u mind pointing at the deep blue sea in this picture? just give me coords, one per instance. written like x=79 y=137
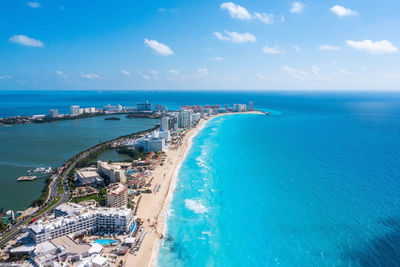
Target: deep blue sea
x=316 y=183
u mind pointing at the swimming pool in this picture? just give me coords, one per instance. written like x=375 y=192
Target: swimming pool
x=106 y=242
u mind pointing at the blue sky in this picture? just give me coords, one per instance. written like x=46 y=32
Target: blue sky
x=186 y=45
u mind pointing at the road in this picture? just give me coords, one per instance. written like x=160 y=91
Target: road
x=53 y=194
x=53 y=191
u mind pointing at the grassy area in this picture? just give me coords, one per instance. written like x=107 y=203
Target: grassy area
x=60 y=187
x=94 y=197
x=52 y=204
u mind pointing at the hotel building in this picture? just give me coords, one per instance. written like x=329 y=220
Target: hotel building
x=117 y=195
x=84 y=221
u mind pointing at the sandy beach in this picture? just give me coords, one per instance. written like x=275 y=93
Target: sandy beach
x=153 y=208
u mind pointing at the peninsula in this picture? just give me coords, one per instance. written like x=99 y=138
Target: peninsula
x=138 y=190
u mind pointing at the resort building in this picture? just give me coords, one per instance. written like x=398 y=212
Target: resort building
x=185 y=118
x=150 y=144
x=196 y=117
x=251 y=105
x=143 y=106
x=110 y=108
x=239 y=107
x=84 y=221
x=117 y=195
x=87 y=176
x=74 y=110
x=53 y=113
x=112 y=171
x=169 y=123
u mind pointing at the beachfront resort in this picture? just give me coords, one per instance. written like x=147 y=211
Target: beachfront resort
x=115 y=212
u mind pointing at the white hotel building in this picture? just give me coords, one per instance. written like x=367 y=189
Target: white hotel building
x=80 y=220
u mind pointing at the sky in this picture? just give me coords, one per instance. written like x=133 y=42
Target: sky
x=200 y=45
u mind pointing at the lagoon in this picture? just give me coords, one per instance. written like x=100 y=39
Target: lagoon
x=25 y=147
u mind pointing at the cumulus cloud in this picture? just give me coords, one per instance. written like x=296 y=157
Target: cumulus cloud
x=125 y=72
x=329 y=48
x=376 y=48
x=341 y=11
x=238 y=12
x=264 y=17
x=271 y=50
x=159 y=48
x=236 y=37
x=25 y=40
x=34 y=4
x=299 y=74
x=90 y=76
x=297 y=7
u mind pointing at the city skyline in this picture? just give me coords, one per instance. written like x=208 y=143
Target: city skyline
x=239 y=45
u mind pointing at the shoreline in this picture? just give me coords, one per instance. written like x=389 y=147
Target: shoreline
x=155 y=220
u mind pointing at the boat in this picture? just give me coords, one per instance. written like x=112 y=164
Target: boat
x=27 y=178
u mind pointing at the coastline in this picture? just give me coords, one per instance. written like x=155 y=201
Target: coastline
x=153 y=209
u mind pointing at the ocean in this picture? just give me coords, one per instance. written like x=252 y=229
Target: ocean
x=316 y=183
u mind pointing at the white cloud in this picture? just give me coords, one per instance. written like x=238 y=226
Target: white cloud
x=297 y=7
x=264 y=17
x=316 y=71
x=239 y=12
x=153 y=72
x=34 y=4
x=376 y=48
x=296 y=48
x=202 y=71
x=25 y=40
x=90 y=76
x=5 y=77
x=146 y=77
x=125 y=72
x=218 y=58
x=329 y=48
x=271 y=50
x=236 y=11
x=235 y=37
x=159 y=48
x=174 y=72
x=342 y=11
x=59 y=72
x=299 y=74
x=344 y=72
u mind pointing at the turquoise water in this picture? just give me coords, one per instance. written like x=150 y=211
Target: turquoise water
x=26 y=147
x=315 y=187
x=106 y=242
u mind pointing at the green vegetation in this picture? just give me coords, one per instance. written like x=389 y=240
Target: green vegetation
x=60 y=189
x=70 y=179
x=132 y=153
x=52 y=203
x=45 y=192
x=91 y=159
x=99 y=198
